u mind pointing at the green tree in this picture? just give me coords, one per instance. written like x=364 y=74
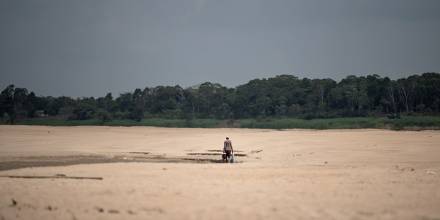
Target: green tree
x=8 y=106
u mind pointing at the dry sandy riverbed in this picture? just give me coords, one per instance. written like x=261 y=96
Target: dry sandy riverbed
x=171 y=173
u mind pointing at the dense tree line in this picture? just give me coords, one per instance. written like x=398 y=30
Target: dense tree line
x=280 y=96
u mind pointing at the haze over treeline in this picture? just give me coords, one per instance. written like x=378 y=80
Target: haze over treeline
x=279 y=96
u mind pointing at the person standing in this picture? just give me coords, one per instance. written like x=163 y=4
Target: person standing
x=227 y=148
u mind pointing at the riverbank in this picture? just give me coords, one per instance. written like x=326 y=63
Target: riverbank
x=403 y=123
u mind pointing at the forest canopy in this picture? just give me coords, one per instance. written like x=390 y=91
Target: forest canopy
x=279 y=96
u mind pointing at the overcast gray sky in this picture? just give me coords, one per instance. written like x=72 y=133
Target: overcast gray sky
x=90 y=47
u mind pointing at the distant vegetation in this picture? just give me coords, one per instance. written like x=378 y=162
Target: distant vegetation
x=284 y=101
x=403 y=123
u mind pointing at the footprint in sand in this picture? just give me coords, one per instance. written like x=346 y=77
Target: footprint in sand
x=113 y=211
x=130 y=212
x=99 y=209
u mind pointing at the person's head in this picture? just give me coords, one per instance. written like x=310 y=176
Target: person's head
x=227 y=138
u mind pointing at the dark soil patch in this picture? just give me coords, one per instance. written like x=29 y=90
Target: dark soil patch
x=46 y=161
x=54 y=177
x=215 y=154
x=222 y=151
x=11 y=163
x=139 y=152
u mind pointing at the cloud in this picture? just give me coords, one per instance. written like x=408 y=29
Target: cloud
x=199 y=5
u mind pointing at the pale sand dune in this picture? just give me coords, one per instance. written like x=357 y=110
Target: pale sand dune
x=299 y=174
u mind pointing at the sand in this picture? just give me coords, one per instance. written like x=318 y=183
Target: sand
x=174 y=173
